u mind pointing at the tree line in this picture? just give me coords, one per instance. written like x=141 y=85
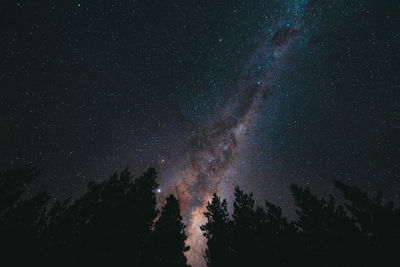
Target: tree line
x=365 y=231
x=116 y=223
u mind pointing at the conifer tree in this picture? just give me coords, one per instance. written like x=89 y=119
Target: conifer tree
x=21 y=219
x=169 y=236
x=244 y=234
x=329 y=235
x=216 y=230
x=379 y=222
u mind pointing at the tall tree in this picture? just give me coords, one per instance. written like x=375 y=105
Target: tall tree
x=13 y=185
x=276 y=240
x=110 y=225
x=217 y=231
x=329 y=235
x=21 y=219
x=244 y=224
x=379 y=222
x=261 y=237
x=169 y=236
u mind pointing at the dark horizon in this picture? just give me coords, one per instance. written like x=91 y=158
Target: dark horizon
x=121 y=222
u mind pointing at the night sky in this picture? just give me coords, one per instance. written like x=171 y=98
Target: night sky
x=214 y=94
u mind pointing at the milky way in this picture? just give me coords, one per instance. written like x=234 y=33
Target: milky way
x=213 y=94
x=215 y=149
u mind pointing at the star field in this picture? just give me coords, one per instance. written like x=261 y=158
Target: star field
x=260 y=94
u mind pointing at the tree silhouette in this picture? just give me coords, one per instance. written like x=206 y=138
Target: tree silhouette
x=329 y=236
x=110 y=225
x=217 y=231
x=244 y=225
x=379 y=223
x=21 y=220
x=20 y=231
x=114 y=224
x=169 y=236
x=13 y=184
x=277 y=239
x=261 y=237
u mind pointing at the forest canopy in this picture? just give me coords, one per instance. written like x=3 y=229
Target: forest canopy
x=116 y=223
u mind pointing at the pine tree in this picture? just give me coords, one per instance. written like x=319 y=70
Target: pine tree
x=216 y=230
x=244 y=225
x=276 y=239
x=21 y=219
x=13 y=185
x=110 y=225
x=329 y=236
x=379 y=223
x=169 y=236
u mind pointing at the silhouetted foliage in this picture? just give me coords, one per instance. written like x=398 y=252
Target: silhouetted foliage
x=277 y=238
x=253 y=237
x=110 y=225
x=329 y=237
x=362 y=232
x=21 y=220
x=115 y=224
x=244 y=226
x=216 y=230
x=13 y=185
x=379 y=223
x=169 y=236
